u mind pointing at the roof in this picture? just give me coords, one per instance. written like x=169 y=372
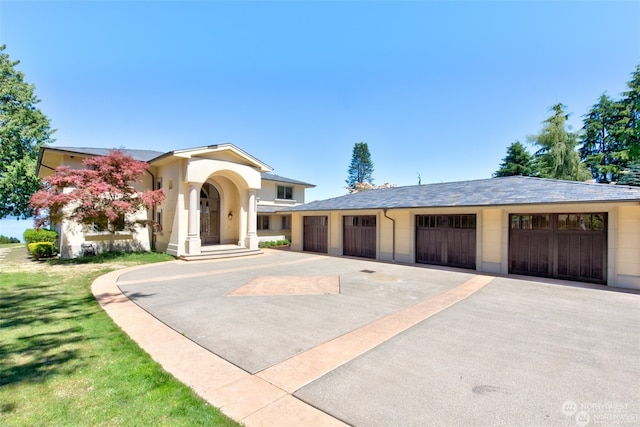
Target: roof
x=277 y=178
x=512 y=190
x=140 y=155
x=269 y=209
x=199 y=151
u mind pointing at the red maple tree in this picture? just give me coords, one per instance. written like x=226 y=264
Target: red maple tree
x=100 y=195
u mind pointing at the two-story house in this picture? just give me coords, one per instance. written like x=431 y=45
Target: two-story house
x=215 y=195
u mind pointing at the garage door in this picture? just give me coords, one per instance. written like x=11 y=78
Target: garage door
x=315 y=235
x=359 y=237
x=446 y=240
x=564 y=246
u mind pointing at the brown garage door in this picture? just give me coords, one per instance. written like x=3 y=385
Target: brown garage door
x=446 y=240
x=316 y=234
x=359 y=237
x=564 y=246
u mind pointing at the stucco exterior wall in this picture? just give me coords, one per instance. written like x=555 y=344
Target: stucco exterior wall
x=628 y=247
x=492 y=227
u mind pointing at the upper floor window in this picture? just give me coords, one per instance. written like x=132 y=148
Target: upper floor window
x=284 y=192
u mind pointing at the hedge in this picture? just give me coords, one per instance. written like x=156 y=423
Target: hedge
x=32 y=235
x=42 y=249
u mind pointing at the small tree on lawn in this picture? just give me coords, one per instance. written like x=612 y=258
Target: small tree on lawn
x=101 y=194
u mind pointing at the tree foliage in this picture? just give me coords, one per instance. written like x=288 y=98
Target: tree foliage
x=517 y=162
x=602 y=149
x=23 y=130
x=557 y=157
x=102 y=194
x=630 y=116
x=630 y=175
x=361 y=167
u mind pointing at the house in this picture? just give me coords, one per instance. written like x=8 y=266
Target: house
x=512 y=225
x=220 y=195
x=215 y=195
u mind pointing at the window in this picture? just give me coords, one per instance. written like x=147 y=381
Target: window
x=530 y=222
x=284 y=192
x=446 y=221
x=263 y=222
x=286 y=222
x=158 y=183
x=581 y=222
x=102 y=225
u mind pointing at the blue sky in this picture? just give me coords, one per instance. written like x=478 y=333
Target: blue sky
x=438 y=89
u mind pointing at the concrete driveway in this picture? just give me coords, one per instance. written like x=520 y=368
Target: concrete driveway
x=368 y=343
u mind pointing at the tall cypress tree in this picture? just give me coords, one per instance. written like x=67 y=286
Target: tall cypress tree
x=361 y=167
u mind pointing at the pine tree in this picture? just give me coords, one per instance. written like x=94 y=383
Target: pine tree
x=361 y=167
x=602 y=149
x=557 y=157
x=517 y=162
x=630 y=175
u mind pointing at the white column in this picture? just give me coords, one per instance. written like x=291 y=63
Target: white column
x=193 y=245
x=251 y=241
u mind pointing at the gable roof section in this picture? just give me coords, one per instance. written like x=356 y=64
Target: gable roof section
x=278 y=178
x=221 y=151
x=512 y=190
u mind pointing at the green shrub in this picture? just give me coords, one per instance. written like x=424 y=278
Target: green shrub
x=273 y=243
x=32 y=235
x=5 y=239
x=41 y=249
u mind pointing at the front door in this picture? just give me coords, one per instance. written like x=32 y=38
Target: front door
x=209 y=215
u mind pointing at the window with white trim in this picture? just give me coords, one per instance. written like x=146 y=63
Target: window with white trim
x=284 y=192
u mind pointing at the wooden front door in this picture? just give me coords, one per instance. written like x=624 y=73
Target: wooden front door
x=209 y=215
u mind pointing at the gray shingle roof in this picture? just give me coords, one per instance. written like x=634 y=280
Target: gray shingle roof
x=512 y=190
x=140 y=155
x=269 y=209
x=278 y=178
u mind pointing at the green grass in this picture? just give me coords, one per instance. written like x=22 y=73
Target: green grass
x=63 y=362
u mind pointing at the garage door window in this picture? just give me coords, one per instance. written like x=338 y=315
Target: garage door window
x=530 y=222
x=581 y=222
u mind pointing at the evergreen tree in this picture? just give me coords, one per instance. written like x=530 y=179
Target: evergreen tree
x=629 y=118
x=557 y=157
x=361 y=167
x=23 y=130
x=517 y=162
x=603 y=149
x=630 y=175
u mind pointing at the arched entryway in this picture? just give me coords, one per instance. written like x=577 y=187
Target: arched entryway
x=209 y=215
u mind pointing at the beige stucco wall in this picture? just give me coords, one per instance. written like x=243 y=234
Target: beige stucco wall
x=628 y=247
x=269 y=190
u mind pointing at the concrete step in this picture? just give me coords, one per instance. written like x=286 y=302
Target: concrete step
x=220 y=252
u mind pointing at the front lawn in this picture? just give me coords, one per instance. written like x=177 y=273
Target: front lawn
x=63 y=362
